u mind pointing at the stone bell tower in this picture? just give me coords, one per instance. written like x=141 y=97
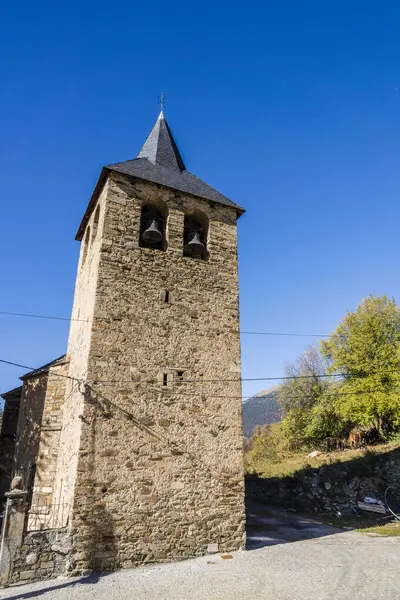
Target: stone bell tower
x=150 y=462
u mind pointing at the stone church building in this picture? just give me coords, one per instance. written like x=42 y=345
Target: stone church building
x=128 y=449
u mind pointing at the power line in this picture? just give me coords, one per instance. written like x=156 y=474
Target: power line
x=222 y=396
x=238 y=379
x=272 y=333
x=186 y=381
x=268 y=333
x=290 y=396
x=7 y=362
x=14 y=314
x=279 y=378
x=230 y=397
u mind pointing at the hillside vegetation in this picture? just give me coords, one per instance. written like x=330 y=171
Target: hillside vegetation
x=268 y=455
x=346 y=391
x=261 y=409
x=327 y=485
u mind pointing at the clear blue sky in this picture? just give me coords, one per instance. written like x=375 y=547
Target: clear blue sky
x=292 y=109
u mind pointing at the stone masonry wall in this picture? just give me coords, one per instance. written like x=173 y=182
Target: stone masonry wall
x=160 y=473
x=7 y=440
x=78 y=352
x=44 y=506
x=43 y=555
x=29 y=427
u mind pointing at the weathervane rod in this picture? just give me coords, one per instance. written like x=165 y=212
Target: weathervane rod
x=161 y=101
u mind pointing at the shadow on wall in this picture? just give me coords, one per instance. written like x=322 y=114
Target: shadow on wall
x=29 y=428
x=98 y=551
x=103 y=550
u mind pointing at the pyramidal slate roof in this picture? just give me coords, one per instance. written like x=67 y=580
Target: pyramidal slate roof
x=160 y=147
x=159 y=161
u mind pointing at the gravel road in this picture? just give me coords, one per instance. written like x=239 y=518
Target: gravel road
x=291 y=559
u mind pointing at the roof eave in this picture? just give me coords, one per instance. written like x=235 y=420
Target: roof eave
x=12 y=393
x=240 y=211
x=99 y=186
x=44 y=368
x=92 y=202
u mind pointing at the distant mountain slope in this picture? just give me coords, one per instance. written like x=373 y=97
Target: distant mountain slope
x=261 y=409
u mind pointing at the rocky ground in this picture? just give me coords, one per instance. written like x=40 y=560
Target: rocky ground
x=289 y=558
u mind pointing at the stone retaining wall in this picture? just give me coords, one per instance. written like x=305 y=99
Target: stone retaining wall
x=331 y=488
x=43 y=555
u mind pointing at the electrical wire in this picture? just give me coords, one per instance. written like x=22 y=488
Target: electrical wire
x=268 y=333
x=186 y=381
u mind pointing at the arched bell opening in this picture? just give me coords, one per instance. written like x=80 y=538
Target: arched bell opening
x=86 y=244
x=152 y=227
x=195 y=235
x=96 y=223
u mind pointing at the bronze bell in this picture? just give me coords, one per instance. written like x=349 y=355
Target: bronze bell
x=194 y=245
x=152 y=235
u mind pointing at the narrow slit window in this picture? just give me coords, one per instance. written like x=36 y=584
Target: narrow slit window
x=165 y=379
x=166 y=298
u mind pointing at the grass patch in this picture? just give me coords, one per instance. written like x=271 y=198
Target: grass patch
x=281 y=463
x=390 y=529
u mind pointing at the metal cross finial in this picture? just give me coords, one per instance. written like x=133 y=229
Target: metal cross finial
x=161 y=101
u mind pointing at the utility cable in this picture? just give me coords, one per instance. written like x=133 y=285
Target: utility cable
x=235 y=380
x=268 y=333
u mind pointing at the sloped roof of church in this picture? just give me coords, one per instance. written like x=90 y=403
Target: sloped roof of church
x=160 y=147
x=57 y=361
x=159 y=161
x=44 y=368
x=12 y=394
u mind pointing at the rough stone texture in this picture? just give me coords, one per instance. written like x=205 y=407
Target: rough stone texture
x=31 y=505
x=29 y=426
x=42 y=555
x=332 y=488
x=78 y=353
x=317 y=565
x=12 y=532
x=7 y=439
x=153 y=472
x=39 y=424
x=50 y=428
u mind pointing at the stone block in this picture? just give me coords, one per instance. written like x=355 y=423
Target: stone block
x=27 y=575
x=31 y=558
x=177 y=485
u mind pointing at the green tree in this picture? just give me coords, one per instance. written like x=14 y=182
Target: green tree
x=365 y=350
